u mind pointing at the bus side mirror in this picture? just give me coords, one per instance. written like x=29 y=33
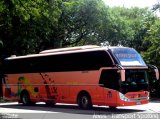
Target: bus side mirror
x=155 y=69
x=122 y=73
x=157 y=73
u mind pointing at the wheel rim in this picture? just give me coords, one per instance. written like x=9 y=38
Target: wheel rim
x=84 y=101
x=25 y=99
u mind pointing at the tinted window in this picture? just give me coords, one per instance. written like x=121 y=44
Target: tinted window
x=110 y=79
x=66 y=62
x=136 y=80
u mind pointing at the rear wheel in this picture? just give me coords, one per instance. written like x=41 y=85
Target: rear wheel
x=25 y=98
x=50 y=103
x=84 y=101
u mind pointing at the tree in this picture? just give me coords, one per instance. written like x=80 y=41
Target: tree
x=81 y=22
x=30 y=26
x=26 y=25
x=129 y=26
x=152 y=54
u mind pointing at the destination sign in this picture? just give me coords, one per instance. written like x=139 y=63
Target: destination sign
x=126 y=55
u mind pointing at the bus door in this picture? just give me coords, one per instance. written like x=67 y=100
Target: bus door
x=110 y=78
x=6 y=89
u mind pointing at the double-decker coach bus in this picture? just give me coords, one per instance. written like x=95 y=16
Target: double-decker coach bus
x=85 y=75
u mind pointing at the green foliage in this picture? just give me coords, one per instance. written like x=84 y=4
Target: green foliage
x=81 y=21
x=29 y=26
x=129 y=26
x=152 y=54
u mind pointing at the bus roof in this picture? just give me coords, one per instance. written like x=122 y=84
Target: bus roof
x=69 y=49
x=64 y=51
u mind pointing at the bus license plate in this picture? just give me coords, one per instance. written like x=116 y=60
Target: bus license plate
x=138 y=103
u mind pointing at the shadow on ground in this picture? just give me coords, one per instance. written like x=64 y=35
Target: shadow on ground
x=72 y=109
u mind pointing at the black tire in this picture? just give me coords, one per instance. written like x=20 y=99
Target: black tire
x=84 y=101
x=25 y=98
x=112 y=107
x=50 y=103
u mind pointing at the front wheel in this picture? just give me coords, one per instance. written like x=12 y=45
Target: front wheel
x=84 y=101
x=112 y=107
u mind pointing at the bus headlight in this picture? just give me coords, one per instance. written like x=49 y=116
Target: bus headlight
x=123 y=97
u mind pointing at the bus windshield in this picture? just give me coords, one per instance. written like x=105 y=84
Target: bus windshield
x=136 y=80
x=128 y=57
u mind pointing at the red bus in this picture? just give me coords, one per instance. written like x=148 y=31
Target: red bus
x=85 y=75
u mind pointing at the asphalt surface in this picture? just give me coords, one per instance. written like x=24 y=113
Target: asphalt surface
x=68 y=111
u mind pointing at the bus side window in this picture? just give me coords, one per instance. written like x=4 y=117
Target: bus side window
x=110 y=79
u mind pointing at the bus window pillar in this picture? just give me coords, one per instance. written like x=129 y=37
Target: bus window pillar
x=122 y=72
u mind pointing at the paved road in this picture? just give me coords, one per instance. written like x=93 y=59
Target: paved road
x=61 y=111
